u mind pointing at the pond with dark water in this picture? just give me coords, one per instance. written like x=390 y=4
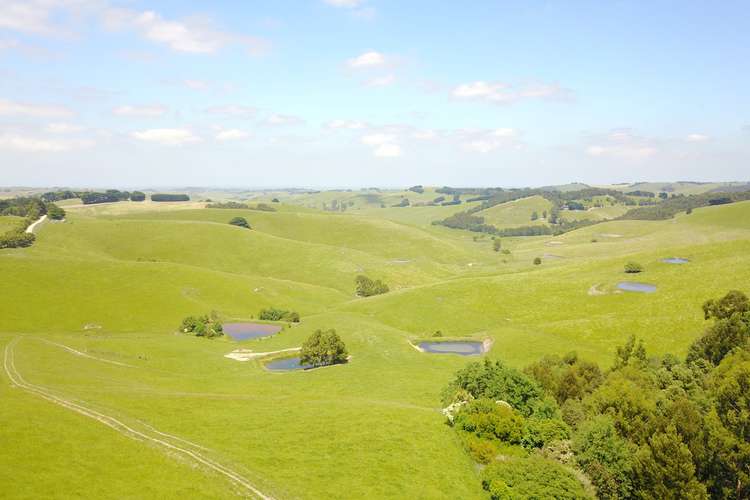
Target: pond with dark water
x=462 y=347
x=632 y=286
x=287 y=365
x=247 y=331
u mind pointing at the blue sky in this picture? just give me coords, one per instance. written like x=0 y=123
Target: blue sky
x=326 y=93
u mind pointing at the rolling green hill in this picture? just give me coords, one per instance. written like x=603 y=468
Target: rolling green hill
x=96 y=302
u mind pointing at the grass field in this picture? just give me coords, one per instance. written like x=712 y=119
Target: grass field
x=90 y=313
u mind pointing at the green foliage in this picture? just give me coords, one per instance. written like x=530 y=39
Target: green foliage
x=566 y=378
x=137 y=196
x=731 y=328
x=734 y=302
x=403 y=203
x=487 y=419
x=367 y=287
x=495 y=381
x=207 y=326
x=633 y=268
x=667 y=209
x=54 y=212
x=417 y=189
x=109 y=196
x=537 y=261
x=169 y=197
x=496 y=244
x=16 y=239
x=273 y=314
x=323 y=348
x=533 y=477
x=605 y=457
x=240 y=221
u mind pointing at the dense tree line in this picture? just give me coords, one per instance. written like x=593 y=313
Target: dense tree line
x=667 y=209
x=108 y=196
x=64 y=194
x=169 y=197
x=273 y=314
x=229 y=205
x=650 y=427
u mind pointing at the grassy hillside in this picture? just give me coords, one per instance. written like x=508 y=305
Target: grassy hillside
x=516 y=213
x=96 y=302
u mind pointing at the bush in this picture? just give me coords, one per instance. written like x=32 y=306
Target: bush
x=323 y=348
x=537 y=261
x=137 y=196
x=367 y=287
x=275 y=200
x=487 y=419
x=273 y=314
x=240 y=221
x=496 y=245
x=633 y=268
x=169 y=197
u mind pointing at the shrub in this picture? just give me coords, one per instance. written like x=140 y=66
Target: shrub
x=169 y=197
x=633 y=268
x=537 y=261
x=240 y=221
x=323 y=348
x=275 y=200
x=16 y=238
x=487 y=419
x=273 y=314
x=417 y=189
x=367 y=287
x=437 y=333
x=497 y=245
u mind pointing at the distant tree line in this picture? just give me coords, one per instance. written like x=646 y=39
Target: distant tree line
x=159 y=197
x=650 y=427
x=667 y=209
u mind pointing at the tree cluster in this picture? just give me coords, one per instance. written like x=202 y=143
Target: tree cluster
x=169 y=197
x=367 y=287
x=240 y=221
x=650 y=427
x=208 y=326
x=273 y=314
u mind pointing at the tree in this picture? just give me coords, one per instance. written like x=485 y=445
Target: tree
x=54 y=212
x=137 y=196
x=537 y=261
x=240 y=221
x=605 y=457
x=664 y=469
x=367 y=287
x=534 y=477
x=275 y=200
x=633 y=268
x=723 y=308
x=534 y=215
x=496 y=245
x=323 y=348
x=207 y=326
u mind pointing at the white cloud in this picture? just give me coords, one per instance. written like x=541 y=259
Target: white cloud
x=193 y=35
x=232 y=135
x=485 y=141
x=143 y=111
x=371 y=59
x=377 y=139
x=278 y=119
x=8 y=44
x=166 y=136
x=697 y=138
x=503 y=93
x=387 y=151
x=11 y=108
x=30 y=16
x=622 y=144
x=63 y=128
x=346 y=125
x=349 y=4
x=26 y=144
x=424 y=135
x=233 y=111
x=382 y=81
